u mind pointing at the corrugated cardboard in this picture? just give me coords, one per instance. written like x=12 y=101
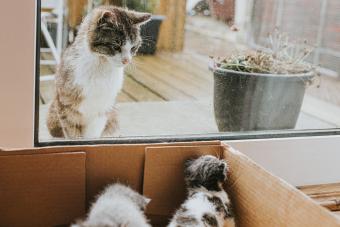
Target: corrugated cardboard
x=42 y=189
x=55 y=180
x=164 y=168
x=261 y=199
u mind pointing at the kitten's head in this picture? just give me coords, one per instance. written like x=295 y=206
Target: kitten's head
x=206 y=171
x=115 y=32
x=122 y=190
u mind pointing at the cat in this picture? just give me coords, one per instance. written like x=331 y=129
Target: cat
x=91 y=71
x=117 y=206
x=207 y=203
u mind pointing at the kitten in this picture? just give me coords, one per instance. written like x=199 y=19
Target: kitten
x=117 y=206
x=207 y=203
x=91 y=72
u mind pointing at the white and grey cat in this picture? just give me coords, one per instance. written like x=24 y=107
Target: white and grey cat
x=117 y=206
x=208 y=204
x=91 y=72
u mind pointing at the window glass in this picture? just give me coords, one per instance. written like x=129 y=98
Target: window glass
x=130 y=68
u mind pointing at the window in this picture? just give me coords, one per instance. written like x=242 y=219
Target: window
x=168 y=91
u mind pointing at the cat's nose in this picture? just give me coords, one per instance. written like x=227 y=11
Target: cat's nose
x=125 y=61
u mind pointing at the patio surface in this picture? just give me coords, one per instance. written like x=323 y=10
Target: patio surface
x=174 y=90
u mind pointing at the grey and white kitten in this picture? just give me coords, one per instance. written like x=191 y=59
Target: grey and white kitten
x=117 y=206
x=207 y=205
x=90 y=74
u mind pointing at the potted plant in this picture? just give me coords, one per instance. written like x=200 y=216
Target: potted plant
x=149 y=31
x=262 y=90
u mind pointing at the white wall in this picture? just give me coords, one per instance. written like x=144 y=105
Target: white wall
x=299 y=161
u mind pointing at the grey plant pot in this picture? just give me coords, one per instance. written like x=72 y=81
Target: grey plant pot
x=149 y=33
x=252 y=101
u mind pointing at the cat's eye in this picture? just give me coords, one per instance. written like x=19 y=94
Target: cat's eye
x=116 y=47
x=106 y=28
x=134 y=49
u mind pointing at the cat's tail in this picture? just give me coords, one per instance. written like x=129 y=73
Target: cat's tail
x=53 y=121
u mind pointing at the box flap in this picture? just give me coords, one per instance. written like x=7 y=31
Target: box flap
x=42 y=190
x=106 y=164
x=163 y=175
x=261 y=199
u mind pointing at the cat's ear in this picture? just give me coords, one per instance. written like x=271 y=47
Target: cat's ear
x=107 y=16
x=147 y=200
x=188 y=162
x=139 y=18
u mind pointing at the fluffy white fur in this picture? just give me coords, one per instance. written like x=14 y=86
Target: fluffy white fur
x=117 y=206
x=198 y=205
x=208 y=204
x=101 y=79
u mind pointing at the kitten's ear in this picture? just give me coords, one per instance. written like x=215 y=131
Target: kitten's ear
x=188 y=162
x=107 y=16
x=147 y=200
x=139 y=18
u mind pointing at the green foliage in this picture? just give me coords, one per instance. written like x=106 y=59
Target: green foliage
x=148 y=6
x=282 y=57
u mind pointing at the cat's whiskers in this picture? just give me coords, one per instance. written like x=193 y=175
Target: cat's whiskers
x=148 y=39
x=137 y=62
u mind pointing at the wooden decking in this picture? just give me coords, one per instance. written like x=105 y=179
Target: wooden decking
x=168 y=77
x=327 y=195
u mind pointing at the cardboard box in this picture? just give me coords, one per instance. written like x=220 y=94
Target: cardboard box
x=54 y=186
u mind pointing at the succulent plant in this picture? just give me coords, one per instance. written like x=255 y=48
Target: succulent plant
x=283 y=56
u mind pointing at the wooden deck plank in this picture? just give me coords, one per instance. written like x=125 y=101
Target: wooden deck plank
x=177 y=79
x=327 y=195
x=123 y=97
x=138 y=91
x=320 y=189
x=195 y=70
x=175 y=69
x=160 y=86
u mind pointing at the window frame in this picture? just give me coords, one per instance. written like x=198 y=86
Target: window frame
x=226 y=136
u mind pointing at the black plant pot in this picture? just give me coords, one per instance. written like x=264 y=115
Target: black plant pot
x=252 y=101
x=149 y=33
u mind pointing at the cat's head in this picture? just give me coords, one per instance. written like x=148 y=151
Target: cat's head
x=206 y=171
x=115 y=33
x=123 y=190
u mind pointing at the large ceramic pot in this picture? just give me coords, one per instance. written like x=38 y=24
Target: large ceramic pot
x=253 y=101
x=149 y=33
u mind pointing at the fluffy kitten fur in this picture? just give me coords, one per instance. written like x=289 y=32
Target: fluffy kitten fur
x=90 y=74
x=207 y=205
x=117 y=206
